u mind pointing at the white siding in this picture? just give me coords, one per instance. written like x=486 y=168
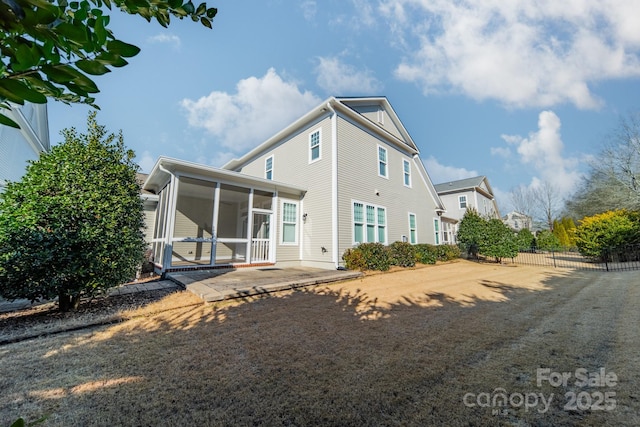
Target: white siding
x=291 y=165
x=358 y=180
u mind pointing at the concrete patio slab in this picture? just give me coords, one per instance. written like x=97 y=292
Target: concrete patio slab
x=221 y=284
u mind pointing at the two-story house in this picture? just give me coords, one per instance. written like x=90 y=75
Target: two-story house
x=18 y=146
x=347 y=172
x=469 y=193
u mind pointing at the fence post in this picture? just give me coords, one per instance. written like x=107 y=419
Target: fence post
x=606 y=259
x=553 y=255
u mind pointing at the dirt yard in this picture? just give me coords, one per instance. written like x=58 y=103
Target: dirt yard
x=453 y=344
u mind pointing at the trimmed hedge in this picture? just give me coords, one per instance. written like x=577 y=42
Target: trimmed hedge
x=403 y=254
x=375 y=256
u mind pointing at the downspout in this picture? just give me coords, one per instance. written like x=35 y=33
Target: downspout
x=334 y=185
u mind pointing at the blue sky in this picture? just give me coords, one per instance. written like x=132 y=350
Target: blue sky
x=522 y=92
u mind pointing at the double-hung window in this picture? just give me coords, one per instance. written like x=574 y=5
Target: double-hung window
x=369 y=223
x=462 y=200
x=413 y=230
x=436 y=230
x=406 y=170
x=382 y=162
x=314 y=146
x=289 y=223
x=268 y=168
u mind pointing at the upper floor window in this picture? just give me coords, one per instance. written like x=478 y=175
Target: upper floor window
x=462 y=200
x=382 y=161
x=314 y=146
x=406 y=170
x=268 y=168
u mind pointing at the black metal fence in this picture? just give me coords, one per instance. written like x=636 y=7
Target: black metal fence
x=613 y=259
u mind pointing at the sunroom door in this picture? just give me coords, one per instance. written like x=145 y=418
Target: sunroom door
x=261 y=237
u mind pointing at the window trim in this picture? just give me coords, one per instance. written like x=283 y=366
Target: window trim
x=282 y=222
x=460 y=201
x=377 y=225
x=267 y=170
x=385 y=162
x=319 y=145
x=414 y=229
x=406 y=175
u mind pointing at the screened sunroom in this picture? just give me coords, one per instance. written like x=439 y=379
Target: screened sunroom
x=210 y=217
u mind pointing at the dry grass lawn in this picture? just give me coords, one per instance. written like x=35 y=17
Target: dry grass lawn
x=402 y=348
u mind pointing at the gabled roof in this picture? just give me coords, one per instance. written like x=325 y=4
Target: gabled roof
x=346 y=107
x=467 y=184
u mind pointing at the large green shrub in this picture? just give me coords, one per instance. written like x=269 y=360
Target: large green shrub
x=425 y=253
x=610 y=229
x=368 y=256
x=471 y=232
x=403 y=254
x=498 y=241
x=72 y=226
x=354 y=259
x=525 y=239
x=488 y=237
x=547 y=241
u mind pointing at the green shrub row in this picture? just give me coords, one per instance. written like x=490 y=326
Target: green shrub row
x=376 y=256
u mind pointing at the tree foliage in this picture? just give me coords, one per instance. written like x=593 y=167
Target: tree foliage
x=72 y=226
x=490 y=238
x=499 y=241
x=525 y=239
x=547 y=241
x=50 y=47
x=597 y=233
x=599 y=193
x=471 y=231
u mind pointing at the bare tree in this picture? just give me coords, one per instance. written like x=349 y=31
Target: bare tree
x=523 y=200
x=619 y=160
x=548 y=202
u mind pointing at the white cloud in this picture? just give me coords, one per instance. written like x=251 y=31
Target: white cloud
x=170 y=39
x=543 y=149
x=523 y=54
x=260 y=107
x=338 y=78
x=309 y=9
x=440 y=173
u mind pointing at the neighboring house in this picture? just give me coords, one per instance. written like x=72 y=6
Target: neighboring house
x=518 y=221
x=458 y=196
x=18 y=146
x=345 y=173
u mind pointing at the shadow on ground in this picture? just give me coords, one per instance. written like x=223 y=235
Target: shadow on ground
x=334 y=355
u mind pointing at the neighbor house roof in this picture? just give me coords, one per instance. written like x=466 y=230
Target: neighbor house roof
x=467 y=184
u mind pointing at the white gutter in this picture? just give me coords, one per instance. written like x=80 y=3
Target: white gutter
x=334 y=184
